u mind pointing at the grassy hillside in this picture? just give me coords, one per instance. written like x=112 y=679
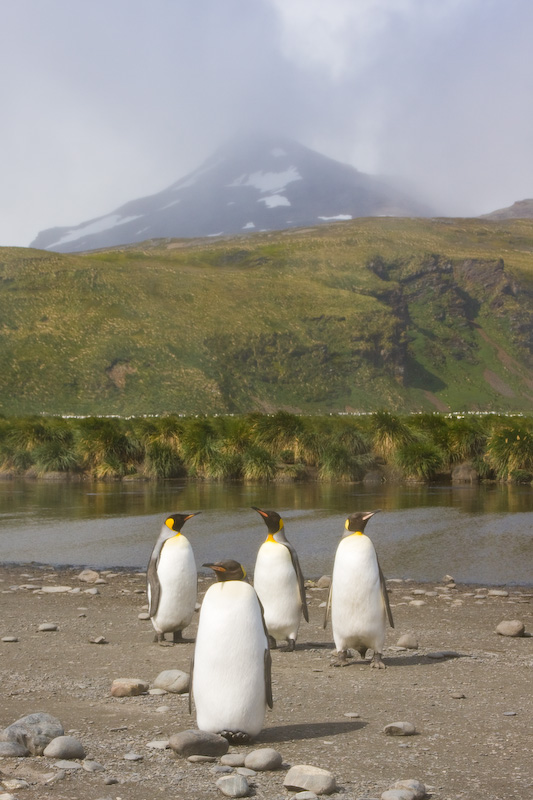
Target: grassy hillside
x=398 y=313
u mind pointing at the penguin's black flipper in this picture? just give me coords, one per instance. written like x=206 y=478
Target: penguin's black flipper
x=385 y=595
x=328 y=607
x=153 y=580
x=301 y=581
x=191 y=672
x=268 y=679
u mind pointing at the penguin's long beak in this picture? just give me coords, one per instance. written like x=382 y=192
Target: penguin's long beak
x=260 y=511
x=371 y=514
x=216 y=567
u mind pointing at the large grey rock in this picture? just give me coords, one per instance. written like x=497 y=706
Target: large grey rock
x=173 y=680
x=13 y=750
x=198 y=743
x=511 y=627
x=64 y=747
x=263 y=759
x=314 y=779
x=34 y=731
x=234 y=786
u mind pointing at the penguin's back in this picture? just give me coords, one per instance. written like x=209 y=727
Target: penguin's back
x=276 y=584
x=176 y=572
x=229 y=660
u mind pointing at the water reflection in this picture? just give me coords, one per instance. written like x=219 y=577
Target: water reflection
x=479 y=534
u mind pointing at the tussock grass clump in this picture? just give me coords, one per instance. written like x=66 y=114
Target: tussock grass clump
x=269 y=447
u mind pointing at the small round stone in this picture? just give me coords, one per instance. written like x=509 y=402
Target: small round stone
x=64 y=747
x=263 y=759
x=48 y=626
x=414 y=786
x=510 y=627
x=9 y=639
x=234 y=786
x=198 y=743
x=233 y=759
x=201 y=759
x=173 y=680
x=408 y=640
x=314 y=779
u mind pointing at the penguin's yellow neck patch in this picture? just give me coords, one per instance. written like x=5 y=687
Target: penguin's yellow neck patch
x=270 y=538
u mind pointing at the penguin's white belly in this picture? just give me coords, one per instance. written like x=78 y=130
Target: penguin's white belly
x=177 y=576
x=229 y=660
x=276 y=584
x=357 y=606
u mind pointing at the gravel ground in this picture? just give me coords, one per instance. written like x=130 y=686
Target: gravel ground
x=467 y=690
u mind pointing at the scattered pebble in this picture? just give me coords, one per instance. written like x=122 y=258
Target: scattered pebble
x=157 y=692
x=92 y=766
x=510 y=627
x=498 y=593
x=408 y=640
x=509 y=713
x=9 y=639
x=15 y=783
x=158 y=744
x=417 y=603
x=48 y=626
x=98 y=640
x=133 y=757
x=143 y=615
x=457 y=695
x=324 y=582
x=314 y=779
x=55 y=589
x=128 y=687
x=64 y=765
x=201 y=759
x=436 y=654
x=400 y=729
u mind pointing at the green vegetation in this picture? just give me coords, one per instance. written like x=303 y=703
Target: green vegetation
x=410 y=315
x=262 y=447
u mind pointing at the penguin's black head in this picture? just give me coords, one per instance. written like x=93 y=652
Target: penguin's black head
x=272 y=519
x=355 y=523
x=176 y=521
x=228 y=570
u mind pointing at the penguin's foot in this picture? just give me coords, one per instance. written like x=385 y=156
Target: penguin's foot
x=377 y=662
x=341 y=659
x=272 y=642
x=179 y=638
x=159 y=637
x=236 y=737
x=291 y=646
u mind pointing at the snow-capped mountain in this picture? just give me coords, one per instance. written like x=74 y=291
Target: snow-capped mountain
x=244 y=187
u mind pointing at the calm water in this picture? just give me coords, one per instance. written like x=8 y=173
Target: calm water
x=478 y=534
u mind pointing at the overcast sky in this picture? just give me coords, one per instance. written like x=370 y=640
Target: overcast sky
x=104 y=101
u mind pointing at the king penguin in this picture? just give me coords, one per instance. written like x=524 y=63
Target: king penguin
x=231 y=669
x=279 y=583
x=172 y=580
x=358 y=598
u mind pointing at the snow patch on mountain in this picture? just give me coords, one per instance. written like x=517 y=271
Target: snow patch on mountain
x=337 y=217
x=99 y=225
x=274 y=200
x=268 y=181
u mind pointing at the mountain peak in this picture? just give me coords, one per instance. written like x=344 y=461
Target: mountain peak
x=251 y=183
